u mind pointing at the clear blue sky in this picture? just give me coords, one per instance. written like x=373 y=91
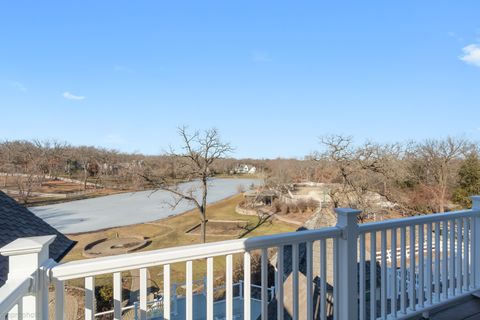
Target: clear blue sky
x=272 y=76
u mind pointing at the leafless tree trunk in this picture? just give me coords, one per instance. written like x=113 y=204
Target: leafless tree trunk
x=200 y=151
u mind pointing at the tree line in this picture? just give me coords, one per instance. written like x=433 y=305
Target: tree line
x=432 y=175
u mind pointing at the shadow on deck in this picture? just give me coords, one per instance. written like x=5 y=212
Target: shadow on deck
x=465 y=309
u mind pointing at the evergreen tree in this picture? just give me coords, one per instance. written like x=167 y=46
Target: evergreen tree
x=468 y=180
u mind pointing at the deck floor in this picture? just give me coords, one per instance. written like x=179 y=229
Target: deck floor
x=467 y=310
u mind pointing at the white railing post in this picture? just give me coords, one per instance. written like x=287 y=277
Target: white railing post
x=204 y=289
x=240 y=289
x=175 y=301
x=476 y=241
x=347 y=264
x=26 y=256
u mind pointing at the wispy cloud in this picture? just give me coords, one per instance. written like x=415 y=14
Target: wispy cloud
x=471 y=54
x=261 y=57
x=454 y=35
x=18 y=86
x=71 y=96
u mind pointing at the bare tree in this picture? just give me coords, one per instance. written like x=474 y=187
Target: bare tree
x=363 y=171
x=200 y=151
x=415 y=176
x=434 y=164
x=52 y=156
x=27 y=156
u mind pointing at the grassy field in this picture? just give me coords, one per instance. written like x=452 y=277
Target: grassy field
x=52 y=191
x=171 y=232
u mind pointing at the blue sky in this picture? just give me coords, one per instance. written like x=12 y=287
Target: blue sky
x=272 y=76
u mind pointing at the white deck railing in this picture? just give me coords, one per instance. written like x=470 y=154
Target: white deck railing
x=340 y=266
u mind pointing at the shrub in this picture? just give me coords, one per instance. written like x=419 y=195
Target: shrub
x=104 y=297
x=277 y=205
x=285 y=208
x=255 y=270
x=292 y=208
x=313 y=204
x=302 y=205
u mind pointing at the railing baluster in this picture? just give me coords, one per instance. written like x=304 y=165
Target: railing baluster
x=466 y=250
x=323 y=279
x=247 y=258
x=412 y=296
x=20 y=312
x=445 y=260
x=264 y=284
x=295 y=265
x=373 y=275
x=59 y=299
x=189 y=293
x=438 y=247
x=4 y=314
x=336 y=304
x=394 y=289
x=451 y=266
x=229 y=287
x=475 y=257
x=89 y=298
x=403 y=270
x=117 y=296
x=309 y=280
x=362 y=278
x=166 y=292
x=459 y=256
x=279 y=284
x=421 y=266
x=429 y=279
x=16 y=313
x=472 y=253
x=143 y=293
x=383 y=275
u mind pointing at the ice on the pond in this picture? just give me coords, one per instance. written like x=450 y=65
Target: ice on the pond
x=129 y=208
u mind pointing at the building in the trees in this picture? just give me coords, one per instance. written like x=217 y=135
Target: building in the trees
x=245 y=169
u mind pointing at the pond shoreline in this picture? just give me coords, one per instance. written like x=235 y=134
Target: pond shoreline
x=129 y=208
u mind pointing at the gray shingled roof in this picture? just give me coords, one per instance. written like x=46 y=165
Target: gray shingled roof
x=16 y=221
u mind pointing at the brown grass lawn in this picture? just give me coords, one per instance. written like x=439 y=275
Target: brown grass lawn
x=58 y=191
x=170 y=232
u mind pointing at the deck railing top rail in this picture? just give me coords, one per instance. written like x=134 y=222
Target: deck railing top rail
x=416 y=220
x=129 y=261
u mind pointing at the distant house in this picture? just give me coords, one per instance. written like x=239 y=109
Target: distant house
x=16 y=221
x=244 y=169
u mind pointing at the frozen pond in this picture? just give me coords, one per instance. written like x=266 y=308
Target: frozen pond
x=129 y=208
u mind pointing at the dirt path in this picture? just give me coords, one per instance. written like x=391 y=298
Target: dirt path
x=71 y=305
x=279 y=217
